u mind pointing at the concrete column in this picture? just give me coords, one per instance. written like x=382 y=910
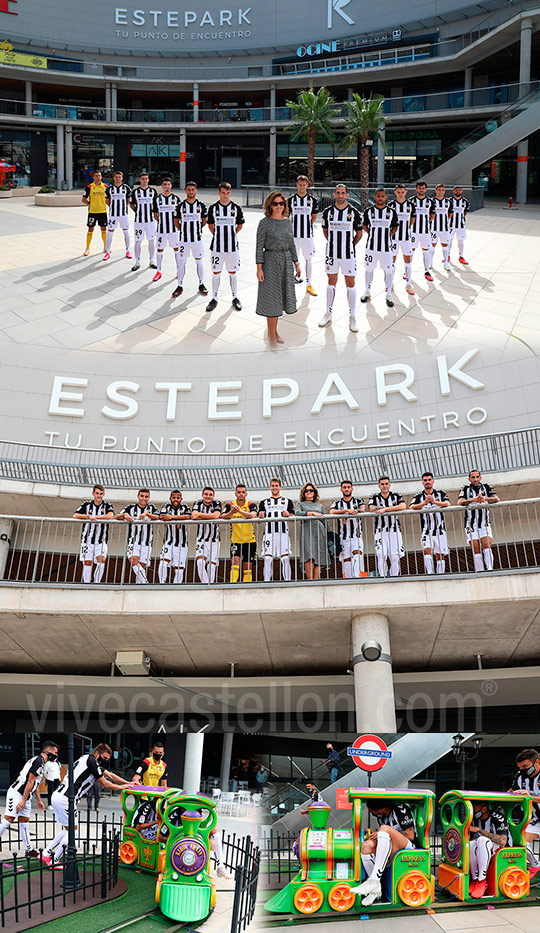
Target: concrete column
x=522 y=172
x=195 y=102
x=525 y=56
x=182 y=159
x=59 y=156
x=28 y=98
x=272 y=165
x=226 y=755
x=380 y=156
x=467 y=86
x=69 y=157
x=373 y=683
x=114 y=102
x=6 y=530
x=350 y=92
x=108 y=102
x=272 y=101
x=193 y=762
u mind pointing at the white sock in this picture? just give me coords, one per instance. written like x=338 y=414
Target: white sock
x=218 y=850
x=159 y=259
x=25 y=835
x=428 y=563
x=478 y=562
x=330 y=295
x=384 y=848
x=202 y=570
x=532 y=861
x=215 y=284
x=484 y=848
x=137 y=250
x=369 y=278
x=309 y=268
x=108 y=241
x=388 y=280
x=127 y=240
x=163 y=570
x=461 y=247
x=99 y=570
x=59 y=839
x=87 y=573
x=285 y=568
x=4 y=824
x=141 y=574
x=151 y=249
x=351 y=298
x=408 y=272
x=488 y=558
x=268 y=567
x=356 y=565
x=441 y=566
x=180 y=266
x=178 y=575
x=395 y=565
x=234 y=284
x=347 y=569
x=213 y=571
x=427 y=263
x=382 y=566
x=200 y=270
x=445 y=252
x=368 y=861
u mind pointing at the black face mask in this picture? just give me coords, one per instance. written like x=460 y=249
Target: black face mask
x=51 y=756
x=156 y=756
x=103 y=762
x=528 y=772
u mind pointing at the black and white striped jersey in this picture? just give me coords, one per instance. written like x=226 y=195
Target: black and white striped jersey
x=495 y=823
x=191 y=217
x=380 y=222
x=532 y=786
x=475 y=517
x=225 y=218
x=441 y=208
x=403 y=211
x=142 y=534
x=431 y=522
x=86 y=771
x=342 y=225
x=176 y=537
x=460 y=207
x=421 y=209
x=94 y=532
x=349 y=525
x=389 y=521
x=209 y=531
x=273 y=508
x=301 y=210
x=32 y=766
x=119 y=196
x=165 y=207
x=142 y=200
x=400 y=818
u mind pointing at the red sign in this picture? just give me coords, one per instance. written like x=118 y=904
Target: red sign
x=342 y=799
x=4 y=7
x=369 y=752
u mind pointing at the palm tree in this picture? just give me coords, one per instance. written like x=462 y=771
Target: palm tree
x=313 y=113
x=365 y=121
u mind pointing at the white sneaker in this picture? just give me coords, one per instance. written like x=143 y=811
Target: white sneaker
x=353 y=326
x=326 y=320
x=448 y=267
x=366 y=297
x=369 y=886
x=222 y=872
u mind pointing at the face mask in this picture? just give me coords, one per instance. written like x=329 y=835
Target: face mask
x=51 y=756
x=478 y=814
x=528 y=772
x=156 y=756
x=103 y=762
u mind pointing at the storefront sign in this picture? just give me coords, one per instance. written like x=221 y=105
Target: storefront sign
x=339 y=45
x=9 y=57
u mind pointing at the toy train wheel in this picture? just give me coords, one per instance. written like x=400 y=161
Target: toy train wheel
x=341 y=898
x=414 y=889
x=128 y=853
x=514 y=883
x=308 y=899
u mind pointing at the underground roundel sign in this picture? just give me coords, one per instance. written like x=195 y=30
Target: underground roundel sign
x=369 y=752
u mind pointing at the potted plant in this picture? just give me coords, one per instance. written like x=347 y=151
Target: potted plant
x=6 y=189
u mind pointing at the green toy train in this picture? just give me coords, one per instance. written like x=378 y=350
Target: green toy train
x=168 y=832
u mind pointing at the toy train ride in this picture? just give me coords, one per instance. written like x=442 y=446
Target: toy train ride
x=331 y=864
x=168 y=832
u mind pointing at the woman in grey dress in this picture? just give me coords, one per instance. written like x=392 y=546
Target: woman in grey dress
x=275 y=255
x=313 y=546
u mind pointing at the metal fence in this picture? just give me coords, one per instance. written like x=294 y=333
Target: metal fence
x=48 y=551
x=247 y=861
x=493 y=453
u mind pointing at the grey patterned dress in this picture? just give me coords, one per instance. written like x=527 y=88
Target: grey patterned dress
x=276 y=251
x=313 y=541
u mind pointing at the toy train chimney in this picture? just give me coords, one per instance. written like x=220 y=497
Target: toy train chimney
x=319 y=811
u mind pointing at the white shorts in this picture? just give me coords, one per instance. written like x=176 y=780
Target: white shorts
x=345 y=266
x=59 y=803
x=474 y=534
x=195 y=249
x=305 y=246
x=349 y=545
x=389 y=543
x=533 y=828
x=404 y=245
x=277 y=544
x=145 y=230
x=440 y=236
x=142 y=551
x=89 y=552
x=115 y=222
x=460 y=234
x=176 y=554
x=376 y=258
x=168 y=239
x=438 y=543
x=12 y=799
x=421 y=239
x=228 y=261
x=209 y=550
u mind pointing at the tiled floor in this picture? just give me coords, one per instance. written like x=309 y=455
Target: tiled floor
x=511 y=919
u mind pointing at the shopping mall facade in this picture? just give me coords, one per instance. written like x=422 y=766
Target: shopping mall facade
x=202 y=93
